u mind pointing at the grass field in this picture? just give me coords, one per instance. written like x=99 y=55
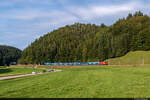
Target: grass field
x=86 y=82
x=15 y=71
x=132 y=58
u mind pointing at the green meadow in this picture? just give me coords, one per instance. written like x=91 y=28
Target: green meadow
x=86 y=82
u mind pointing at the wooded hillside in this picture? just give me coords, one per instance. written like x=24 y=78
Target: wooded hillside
x=89 y=42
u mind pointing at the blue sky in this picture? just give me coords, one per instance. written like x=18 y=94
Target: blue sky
x=22 y=21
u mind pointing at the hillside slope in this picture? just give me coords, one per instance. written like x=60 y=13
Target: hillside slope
x=131 y=58
x=62 y=45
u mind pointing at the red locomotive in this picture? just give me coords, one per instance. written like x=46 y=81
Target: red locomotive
x=103 y=63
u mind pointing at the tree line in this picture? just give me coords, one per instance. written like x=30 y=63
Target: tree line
x=9 y=55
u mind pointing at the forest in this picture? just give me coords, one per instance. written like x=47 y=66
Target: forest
x=9 y=55
x=89 y=42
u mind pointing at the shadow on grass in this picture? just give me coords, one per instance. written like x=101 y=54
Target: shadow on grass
x=5 y=70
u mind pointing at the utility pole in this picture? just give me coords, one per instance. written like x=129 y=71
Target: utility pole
x=143 y=54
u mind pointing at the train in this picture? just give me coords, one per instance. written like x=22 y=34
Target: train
x=78 y=63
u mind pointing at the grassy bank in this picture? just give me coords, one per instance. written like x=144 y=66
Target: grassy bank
x=132 y=58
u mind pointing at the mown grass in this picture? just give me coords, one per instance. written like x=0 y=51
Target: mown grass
x=15 y=71
x=131 y=58
x=90 y=82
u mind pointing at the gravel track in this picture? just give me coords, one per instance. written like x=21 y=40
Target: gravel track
x=18 y=76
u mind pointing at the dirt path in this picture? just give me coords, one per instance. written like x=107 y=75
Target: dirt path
x=18 y=76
